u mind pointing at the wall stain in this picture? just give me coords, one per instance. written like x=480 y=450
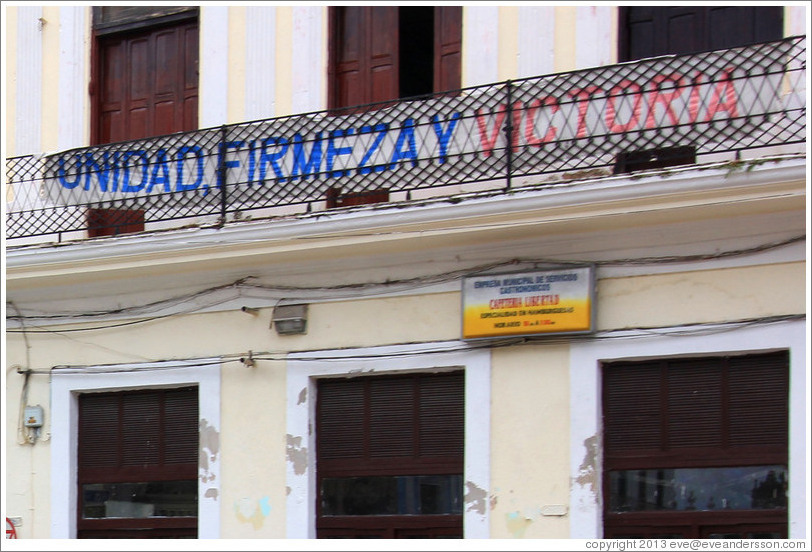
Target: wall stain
x=296 y=454
x=587 y=471
x=516 y=524
x=209 y=449
x=302 y=396
x=475 y=498
x=253 y=512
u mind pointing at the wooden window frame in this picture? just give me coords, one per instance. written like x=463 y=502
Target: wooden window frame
x=365 y=463
x=694 y=523
x=161 y=471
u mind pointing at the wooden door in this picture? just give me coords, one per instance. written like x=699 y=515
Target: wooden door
x=146 y=85
x=656 y=31
x=390 y=456
x=364 y=47
x=138 y=464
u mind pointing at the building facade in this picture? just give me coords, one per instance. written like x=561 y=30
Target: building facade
x=406 y=272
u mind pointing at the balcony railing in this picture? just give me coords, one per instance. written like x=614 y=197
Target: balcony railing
x=536 y=131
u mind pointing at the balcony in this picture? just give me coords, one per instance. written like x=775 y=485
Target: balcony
x=721 y=106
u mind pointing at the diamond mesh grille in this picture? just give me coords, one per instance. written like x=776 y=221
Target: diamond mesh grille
x=716 y=102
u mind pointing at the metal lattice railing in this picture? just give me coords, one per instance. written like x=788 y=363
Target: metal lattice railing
x=603 y=118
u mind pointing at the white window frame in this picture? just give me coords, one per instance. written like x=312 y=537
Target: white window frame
x=586 y=466
x=68 y=384
x=303 y=371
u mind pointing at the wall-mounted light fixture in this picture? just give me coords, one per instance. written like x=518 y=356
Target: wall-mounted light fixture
x=290 y=319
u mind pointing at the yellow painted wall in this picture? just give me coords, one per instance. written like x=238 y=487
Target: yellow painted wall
x=284 y=61
x=10 y=81
x=530 y=387
x=236 y=64
x=530 y=434
x=707 y=296
x=50 y=77
x=508 y=42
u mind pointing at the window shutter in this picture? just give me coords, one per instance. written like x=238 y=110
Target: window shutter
x=370 y=420
x=447 y=48
x=694 y=396
x=340 y=419
x=759 y=400
x=98 y=431
x=711 y=408
x=391 y=417
x=365 y=55
x=141 y=429
x=656 y=31
x=632 y=407
x=442 y=416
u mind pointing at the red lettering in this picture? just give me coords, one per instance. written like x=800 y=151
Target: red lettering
x=658 y=96
x=583 y=95
x=489 y=143
x=693 y=101
x=723 y=90
x=611 y=114
x=530 y=122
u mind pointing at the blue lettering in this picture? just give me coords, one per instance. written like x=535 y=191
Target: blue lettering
x=272 y=158
x=181 y=156
x=406 y=134
x=313 y=165
x=224 y=147
x=126 y=188
x=103 y=172
x=60 y=173
x=252 y=161
x=381 y=129
x=333 y=152
x=444 y=137
x=160 y=173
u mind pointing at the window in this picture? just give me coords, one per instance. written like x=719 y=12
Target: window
x=390 y=456
x=381 y=53
x=655 y=31
x=696 y=447
x=145 y=84
x=138 y=464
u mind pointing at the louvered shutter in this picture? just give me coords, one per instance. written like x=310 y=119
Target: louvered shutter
x=403 y=424
x=632 y=408
x=711 y=411
x=759 y=400
x=138 y=436
x=694 y=398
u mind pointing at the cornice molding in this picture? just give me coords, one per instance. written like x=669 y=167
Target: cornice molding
x=691 y=187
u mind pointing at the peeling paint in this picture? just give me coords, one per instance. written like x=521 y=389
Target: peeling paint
x=209 y=449
x=296 y=454
x=475 y=498
x=213 y=492
x=494 y=499
x=516 y=524
x=587 y=471
x=302 y=396
x=253 y=512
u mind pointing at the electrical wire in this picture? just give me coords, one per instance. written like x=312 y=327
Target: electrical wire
x=246 y=284
x=348 y=354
